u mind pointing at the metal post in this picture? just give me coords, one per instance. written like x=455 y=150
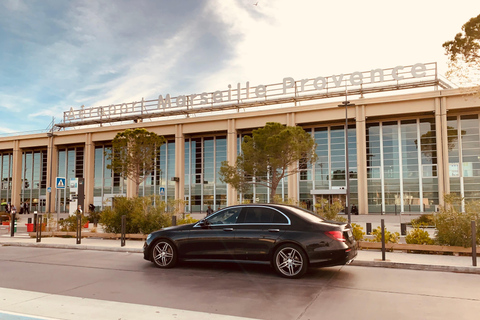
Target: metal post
x=474 y=244
x=383 y=239
x=34 y=222
x=12 y=228
x=122 y=237
x=38 y=227
x=79 y=228
x=395 y=209
x=174 y=220
x=403 y=229
x=346 y=104
x=58 y=208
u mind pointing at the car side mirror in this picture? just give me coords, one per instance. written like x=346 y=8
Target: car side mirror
x=204 y=224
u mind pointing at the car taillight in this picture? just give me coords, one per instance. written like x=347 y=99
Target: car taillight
x=335 y=235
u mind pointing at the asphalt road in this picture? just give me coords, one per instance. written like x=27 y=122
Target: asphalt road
x=348 y=292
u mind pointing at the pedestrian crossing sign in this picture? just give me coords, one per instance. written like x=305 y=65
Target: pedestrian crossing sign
x=60 y=183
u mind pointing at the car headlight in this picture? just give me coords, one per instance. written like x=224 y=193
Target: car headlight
x=149 y=237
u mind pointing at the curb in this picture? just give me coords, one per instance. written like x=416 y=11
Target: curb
x=411 y=266
x=68 y=246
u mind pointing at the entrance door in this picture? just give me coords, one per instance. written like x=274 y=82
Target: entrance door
x=331 y=198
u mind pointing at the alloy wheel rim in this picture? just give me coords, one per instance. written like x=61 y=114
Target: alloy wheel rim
x=289 y=261
x=163 y=254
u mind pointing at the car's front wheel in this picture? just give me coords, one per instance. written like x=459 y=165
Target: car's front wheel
x=290 y=261
x=164 y=254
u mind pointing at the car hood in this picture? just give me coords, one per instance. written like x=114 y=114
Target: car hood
x=180 y=227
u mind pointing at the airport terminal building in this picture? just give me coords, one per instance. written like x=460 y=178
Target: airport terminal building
x=412 y=138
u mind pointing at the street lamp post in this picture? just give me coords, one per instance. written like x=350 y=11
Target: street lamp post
x=347 y=104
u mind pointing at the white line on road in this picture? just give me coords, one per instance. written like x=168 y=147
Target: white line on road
x=52 y=306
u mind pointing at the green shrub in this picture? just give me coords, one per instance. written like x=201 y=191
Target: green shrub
x=357 y=232
x=390 y=237
x=70 y=223
x=187 y=220
x=141 y=215
x=418 y=235
x=424 y=220
x=453 y=226
x=330 y=211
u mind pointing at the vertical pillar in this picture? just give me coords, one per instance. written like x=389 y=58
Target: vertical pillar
x=52 y=165
x=231 y=158
x=131 y=192
x=179 y=162
x=16 y=175
x=89 y=170
x=360 y=129
x=292 y=179
x=442 y=148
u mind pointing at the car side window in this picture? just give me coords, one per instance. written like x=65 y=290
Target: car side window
x=264 y=215
x=228 y=216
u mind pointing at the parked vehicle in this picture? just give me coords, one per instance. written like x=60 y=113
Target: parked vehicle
x=289 y=238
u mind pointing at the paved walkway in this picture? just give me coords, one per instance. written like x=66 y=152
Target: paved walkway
x=368 y=258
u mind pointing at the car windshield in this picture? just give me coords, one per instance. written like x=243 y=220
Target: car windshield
x=308 y=215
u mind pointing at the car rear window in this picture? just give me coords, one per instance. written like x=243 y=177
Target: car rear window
x=308 y=215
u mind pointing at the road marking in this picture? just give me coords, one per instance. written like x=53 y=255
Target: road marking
x=30 y=305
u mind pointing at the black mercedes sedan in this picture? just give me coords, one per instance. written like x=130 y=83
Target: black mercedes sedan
x=288 y=238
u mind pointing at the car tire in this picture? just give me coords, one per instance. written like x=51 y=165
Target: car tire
x=290 y=261
x=164 y=254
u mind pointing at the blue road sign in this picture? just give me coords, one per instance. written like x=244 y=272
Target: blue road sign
x=49 y=189
x=60 y=183
x=162 y=191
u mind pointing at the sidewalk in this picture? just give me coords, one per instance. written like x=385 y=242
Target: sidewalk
x=365 y=258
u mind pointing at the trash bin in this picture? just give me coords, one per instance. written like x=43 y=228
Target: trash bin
x=29 y=227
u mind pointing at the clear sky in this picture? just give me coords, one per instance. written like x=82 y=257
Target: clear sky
x=58 y=54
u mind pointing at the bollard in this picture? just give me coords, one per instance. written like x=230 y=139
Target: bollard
x=174 y=220
x=34 y=222
x=403 y=229
x=383 y=239
x=395 y=209
x=12 y=227
x=79 y=228
x=474 y=244
x=122 y=237
x=39 y=229
x=369 y=228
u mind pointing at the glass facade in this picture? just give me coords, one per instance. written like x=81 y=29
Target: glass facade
x=34 y=179
x=402 y=166
x=203 y=158
x=327 y=177
x=464 y=156
x=70 y=165
x=6 y=177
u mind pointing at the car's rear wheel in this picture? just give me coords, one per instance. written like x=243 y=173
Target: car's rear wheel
x=290 y=261
x=164 y=254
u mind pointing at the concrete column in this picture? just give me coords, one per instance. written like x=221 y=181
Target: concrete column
x=89 y=167
x=16 y=175
x=360 y=129
x=131 y=191
x=179 y=162
x=52 y=165
x=442 y=148
x=292 y=179
x=232 y=193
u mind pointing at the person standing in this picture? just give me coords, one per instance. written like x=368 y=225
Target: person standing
x=8 y=208
x=209 y=211
x=27 y=207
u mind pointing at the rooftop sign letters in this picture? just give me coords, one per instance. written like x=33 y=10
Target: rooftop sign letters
x=247 y=95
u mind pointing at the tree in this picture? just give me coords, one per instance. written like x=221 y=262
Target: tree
x=133 y=155
x=464 y=53
x=270 y=154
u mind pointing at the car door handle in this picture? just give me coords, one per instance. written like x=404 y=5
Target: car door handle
x=274 y=230
x=227 y=229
